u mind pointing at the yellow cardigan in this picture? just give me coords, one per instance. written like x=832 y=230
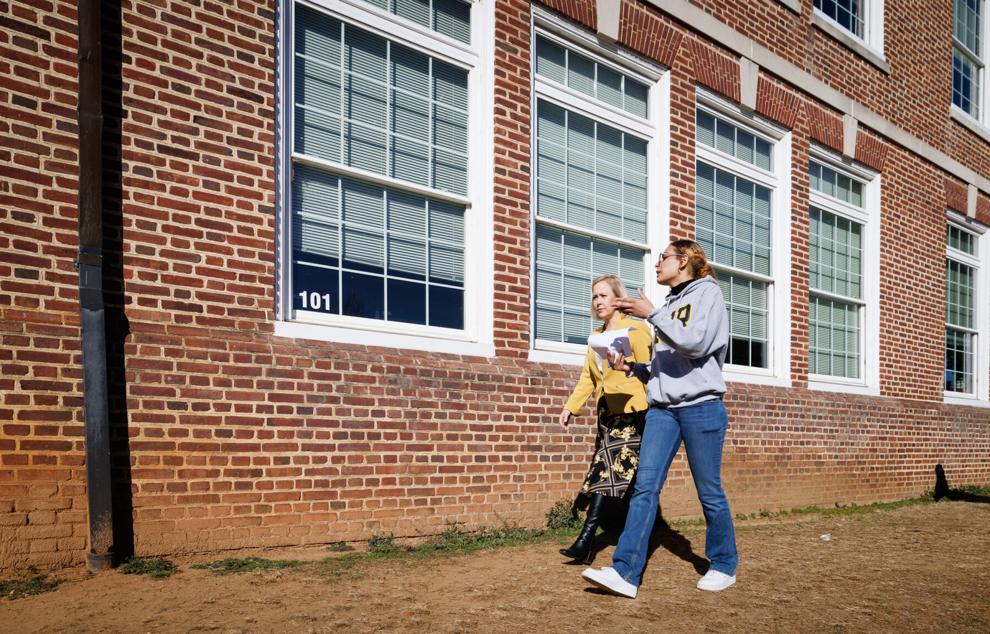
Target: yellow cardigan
x=622 y=394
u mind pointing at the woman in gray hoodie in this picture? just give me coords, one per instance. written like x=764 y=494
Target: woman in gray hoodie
x=684 y=387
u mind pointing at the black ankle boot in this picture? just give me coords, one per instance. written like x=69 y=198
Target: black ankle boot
x=582 y=549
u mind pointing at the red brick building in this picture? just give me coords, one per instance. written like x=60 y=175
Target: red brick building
x=348 y=247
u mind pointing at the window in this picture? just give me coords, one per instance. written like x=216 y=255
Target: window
x=741 y=222
x=967 y=57
x=381 y=180
x=594 y=137
x=856 y=23
x=846 y=13
x=842 y=336
x=962 y=324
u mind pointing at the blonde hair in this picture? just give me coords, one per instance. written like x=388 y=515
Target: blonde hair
x=617 y=285
x=696 y=260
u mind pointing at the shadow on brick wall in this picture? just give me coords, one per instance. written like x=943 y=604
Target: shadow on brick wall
x=114 y=298
x=944 y=491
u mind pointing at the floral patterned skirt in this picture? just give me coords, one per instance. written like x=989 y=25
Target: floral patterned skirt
x=616 y=452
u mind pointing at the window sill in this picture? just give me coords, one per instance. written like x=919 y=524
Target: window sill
x=557 y=357
x=825 y=384
x=857 y=45
x=969 y=122
x=953 y=398
x=740 y=374
x=381 y=339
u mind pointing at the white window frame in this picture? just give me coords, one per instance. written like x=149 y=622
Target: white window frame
x=978 y=123
x=870 y=45
x=778 y=370
x=981 y=320
x=657 y=128
x=477 y=58
x=869 y=218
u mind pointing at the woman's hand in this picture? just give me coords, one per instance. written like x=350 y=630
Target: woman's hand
x=565 y=419
x=617 y=361
x=635 y=306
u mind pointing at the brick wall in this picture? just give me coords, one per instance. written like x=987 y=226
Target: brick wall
x=226 y=436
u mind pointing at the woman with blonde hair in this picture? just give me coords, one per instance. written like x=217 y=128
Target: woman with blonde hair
x=621 y=406
x=684 y=388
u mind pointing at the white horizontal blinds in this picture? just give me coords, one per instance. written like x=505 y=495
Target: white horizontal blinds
x=566 y=264
x=590 y=175
x=846 y=13
x=733 y=220
x=836 y=265
x=361 y=249
x=450 y=121
x=967 y=55
x=376 y=252
x=733 y=225
x=734 y=141
x=448 y=17
x=836 y=268
x=592 y=78
x=826 y=180
x=960 y=313
x=591 y=191
x=365 y=102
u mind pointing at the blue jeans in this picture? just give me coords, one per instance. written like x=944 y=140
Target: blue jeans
x=702 y=428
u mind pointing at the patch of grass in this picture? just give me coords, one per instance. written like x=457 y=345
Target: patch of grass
x=154 y=567
x=455 y=540
x=248 y=564
x=17 y=588
x=382 y=545
x=562 y=516
x=339 y=547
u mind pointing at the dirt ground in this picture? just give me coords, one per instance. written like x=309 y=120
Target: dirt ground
x=922 y=568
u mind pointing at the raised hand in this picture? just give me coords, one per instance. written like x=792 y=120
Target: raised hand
x=636 y=306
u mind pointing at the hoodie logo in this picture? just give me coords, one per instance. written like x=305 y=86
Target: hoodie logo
x=682 y=314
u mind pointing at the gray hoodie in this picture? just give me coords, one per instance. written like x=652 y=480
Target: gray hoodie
x=693 y=335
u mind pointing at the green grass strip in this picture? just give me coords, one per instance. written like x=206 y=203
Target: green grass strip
x=248 y=564
x=154 y=567
x=17 y=588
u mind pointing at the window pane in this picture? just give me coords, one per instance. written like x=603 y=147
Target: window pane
x=591 y=78
x=733 y=221
x=834 y=336
x=589 y=174
x=966 y=24
x=836 y=264
x=832 y=183
x=448 y=17
x=401 y=247
x=959 y=294
x=368 y=103
x=961 y=240
x=746 y=301
x=846 y=13
x=959 y=361
x=725 y=137
x=965 y=83
x=566 y=264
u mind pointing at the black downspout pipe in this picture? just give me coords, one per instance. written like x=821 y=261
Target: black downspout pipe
x=91 y=307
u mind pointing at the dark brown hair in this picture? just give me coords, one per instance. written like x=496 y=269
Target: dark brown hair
x=696 y=260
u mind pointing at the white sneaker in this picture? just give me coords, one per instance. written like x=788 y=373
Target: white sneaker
x=608 y=579
x=715 y=581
